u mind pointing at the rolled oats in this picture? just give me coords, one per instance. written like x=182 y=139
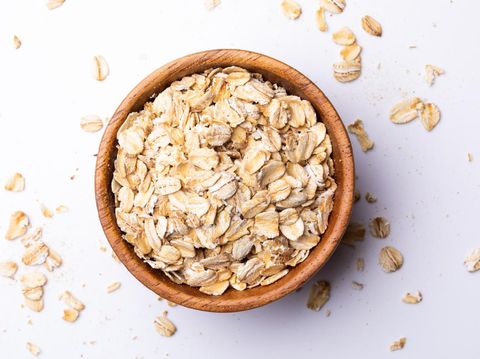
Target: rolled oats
x=370 y=198
x=164 y=326
x=16 y=42
x=406 y=111
x=112 y=287
x=347 y=71
x=344 y=36
x=472 y=261
x=33 y=349
x=318 y=296
x=357 y=286
x=371 y=26
x=16 y=183
x=68 y=298
x=35 y=254
x=379 y=227
x=320 y=19
x=53 y=4
x=91 y=123
x=430 y=116
x=412 y=298
x=431 y=73
x=333 y=6
x=100 y=69
x=17 y=226
x=224 y=180
x=70 y=315
x=390 y=259
x=358 y=130
x=211 y=4
x=291 y=9
x=351 y=52
x=398 y=344
x=8 y=269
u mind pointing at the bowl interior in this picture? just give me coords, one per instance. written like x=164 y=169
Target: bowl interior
x=296 y=84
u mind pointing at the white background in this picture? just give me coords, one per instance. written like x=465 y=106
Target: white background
x=424 y=183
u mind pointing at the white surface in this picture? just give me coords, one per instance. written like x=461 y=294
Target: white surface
x=423 y=181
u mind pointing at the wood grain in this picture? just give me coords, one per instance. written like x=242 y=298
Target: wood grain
x=296 y=84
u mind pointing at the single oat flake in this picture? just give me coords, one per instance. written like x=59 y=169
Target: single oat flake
x=430 y=116
x=164 y=326
x=319 y=295
x=357 y=286
x=113 y=287
x=70 y=315
x=344 y=36
x=91 y=123
x=371 y=26
x=211 y=4
x=431 y=73
x=8 y=269
x=406 y=111
x=320 y=19
x=370 y=198
x=412 y=298
x=291 y=9
x=398 y=344
x=224 y=181
x=46 y=212
x=68 y=298
x=358 y=130
x=472 y=261
x=390 y=259
x=17 y=226
x=33 y=349
x=379 y=227
x=350 y=52
x=16 y=183
x=100 y=69
x=347 y=71
x=16 y=42
x=333 y=6
x=53 y=4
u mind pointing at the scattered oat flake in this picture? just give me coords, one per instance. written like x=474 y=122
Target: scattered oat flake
x=357 y=286
x=53 y=4
x=333 y=6
x=469 y=157
x=47 y=212
x=68 y=298
x=100 y=68
x=113 y=287
x=472 y=261
x=35 y=254
x=320 y=19
x=17 y=226
x=430 y=116
x=61 y=209
x=16 y=183
x=164 y=326
x=379 y=227
x=398 y=344
x=412 y=298
x=33 y=279
x=360 y=264
x=291 y=9
x=8 y=269
x=371 y=26
x=91 y=123
x=70 y=315
x=390 y=259
x=355 y=232
x=406 y=111
x=370 y=198
x=358 y=130
x=344 y=36
x=318 y=295
x=34 y=305
x=33 y=349
x=432 y=72
x=211 y=4
x=347 y=71
x=16 y=42
x=350 y=52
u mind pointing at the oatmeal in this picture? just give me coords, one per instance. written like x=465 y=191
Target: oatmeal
x=224 y=180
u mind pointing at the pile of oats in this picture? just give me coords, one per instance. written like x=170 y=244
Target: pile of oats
x=224 y=180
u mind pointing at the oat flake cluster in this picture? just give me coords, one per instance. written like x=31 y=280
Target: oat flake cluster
x=224 y=180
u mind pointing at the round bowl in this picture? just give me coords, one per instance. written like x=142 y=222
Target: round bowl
x=296 y=84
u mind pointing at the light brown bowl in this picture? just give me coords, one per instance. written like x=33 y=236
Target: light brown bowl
x=296 y=84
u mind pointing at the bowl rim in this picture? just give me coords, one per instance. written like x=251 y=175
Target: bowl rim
x=342 y=155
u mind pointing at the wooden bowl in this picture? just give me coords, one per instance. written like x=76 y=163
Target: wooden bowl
x=296 y=84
